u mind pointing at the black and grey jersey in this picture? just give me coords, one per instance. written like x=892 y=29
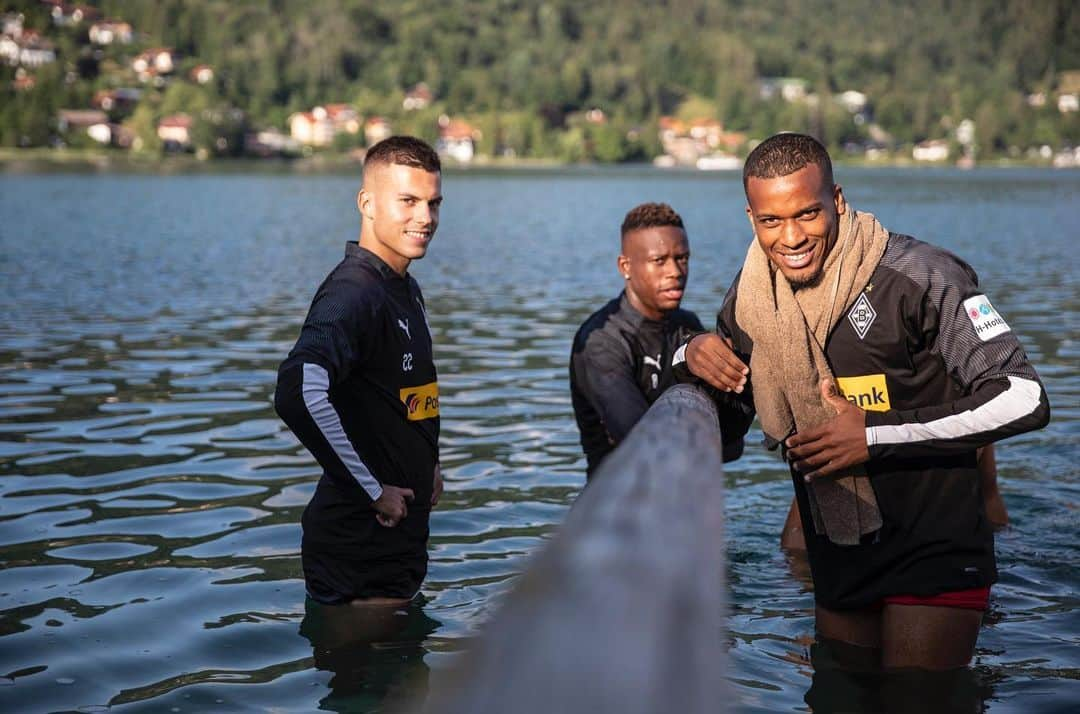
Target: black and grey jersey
x=939 y=373
x=360 y=391
x=619 y=365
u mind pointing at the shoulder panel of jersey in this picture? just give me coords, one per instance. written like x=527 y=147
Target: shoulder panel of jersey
x=946 y=282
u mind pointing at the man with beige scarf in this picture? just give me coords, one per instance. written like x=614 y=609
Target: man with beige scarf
x=880 y=368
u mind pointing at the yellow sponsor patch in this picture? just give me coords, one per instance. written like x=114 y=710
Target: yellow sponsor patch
x=867 y=392
x=420 y=402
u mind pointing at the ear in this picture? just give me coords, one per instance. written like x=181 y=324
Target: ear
x=838 y=199
x=624 y=266
x=364 y=203
x=750 y=217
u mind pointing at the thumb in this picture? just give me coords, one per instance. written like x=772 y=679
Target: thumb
x=831 y=395
x=408 y=494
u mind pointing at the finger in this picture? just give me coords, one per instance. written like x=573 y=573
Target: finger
x=407 y=493
x=807 y=449
x=827 y=469
x=384 y=521
x=802 y=438
x=831 y=395
x=714 y=362
x=719 y=353
x=435 y=494
x=811 y=462
x=721 y=375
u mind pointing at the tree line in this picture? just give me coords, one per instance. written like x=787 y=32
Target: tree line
x=524 y=72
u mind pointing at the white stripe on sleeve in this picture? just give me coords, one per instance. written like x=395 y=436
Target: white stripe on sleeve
x=1016 y=402
x=680 y=356
x=315 y=388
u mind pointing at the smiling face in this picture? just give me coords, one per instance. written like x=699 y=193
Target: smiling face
x=399 y=206
x=796 y=219
x=655 y=263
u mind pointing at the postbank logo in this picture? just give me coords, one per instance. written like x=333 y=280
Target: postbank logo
x=420 y=402
x=868 y=392
x=984 y=318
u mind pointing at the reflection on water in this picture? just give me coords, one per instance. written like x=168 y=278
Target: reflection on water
x=150 y=499
x=375 y=654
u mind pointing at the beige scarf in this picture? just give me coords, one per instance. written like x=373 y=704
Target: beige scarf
x=789 y=329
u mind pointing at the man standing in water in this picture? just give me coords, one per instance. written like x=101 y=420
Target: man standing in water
x=620 y=363
x=877 y=364
x=360 y=391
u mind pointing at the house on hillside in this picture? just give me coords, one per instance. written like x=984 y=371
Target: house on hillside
x=202 y=74
x=707 y=132
x=175 y=132
x=29 y=49
x=116 y=100
x=106 y=32
x=457 y=139
x=68 y=120
x=417 y=97
x=686 y=143
x=271 y=142
x=854 y=102
x=312 y=128
x=376 y=129
x=154 y=62
x=11 y=24
x=596 y=116
x=931 y=150
x=343 y=118
x=24 y=81
x=790 y=89
x=64 y=15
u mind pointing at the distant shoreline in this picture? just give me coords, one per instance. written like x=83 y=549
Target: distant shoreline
x=92 y=160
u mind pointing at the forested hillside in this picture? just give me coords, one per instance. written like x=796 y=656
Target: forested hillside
x=525 y=72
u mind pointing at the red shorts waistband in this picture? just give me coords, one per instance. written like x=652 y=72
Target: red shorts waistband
x=973 y=599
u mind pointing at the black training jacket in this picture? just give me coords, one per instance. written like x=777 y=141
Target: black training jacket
x=620 y=364
x=360 y=391
x=940 y=374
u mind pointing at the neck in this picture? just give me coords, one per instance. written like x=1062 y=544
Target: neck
x=398 y=263
x=635 y=303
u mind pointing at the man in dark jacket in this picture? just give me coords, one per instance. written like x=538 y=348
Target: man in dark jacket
x=879 y=366
x=621 y=358
x=360 y=391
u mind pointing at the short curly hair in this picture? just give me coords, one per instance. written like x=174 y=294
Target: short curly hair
x=404 y=151
x=651 y=215
x=784 y=154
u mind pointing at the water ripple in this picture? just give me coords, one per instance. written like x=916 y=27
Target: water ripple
x=150 y=499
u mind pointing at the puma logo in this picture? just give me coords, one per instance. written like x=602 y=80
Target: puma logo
x=654 y=362
x=404 y=325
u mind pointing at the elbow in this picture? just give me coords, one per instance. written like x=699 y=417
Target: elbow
x=1041 y=417
x=287 y=397
x=1038 y=417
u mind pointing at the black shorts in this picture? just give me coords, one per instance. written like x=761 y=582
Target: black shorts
x=379 y=562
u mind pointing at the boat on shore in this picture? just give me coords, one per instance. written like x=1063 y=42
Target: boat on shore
x=719 y=162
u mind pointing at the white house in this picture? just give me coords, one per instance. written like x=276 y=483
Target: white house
x=312 y=128
x=457 y=140
x=175 y=131
x=931 y=150
x=110 y=31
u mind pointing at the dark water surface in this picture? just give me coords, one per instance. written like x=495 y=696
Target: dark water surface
x=150 y=499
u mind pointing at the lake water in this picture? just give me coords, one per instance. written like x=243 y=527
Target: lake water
x=150 y=499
